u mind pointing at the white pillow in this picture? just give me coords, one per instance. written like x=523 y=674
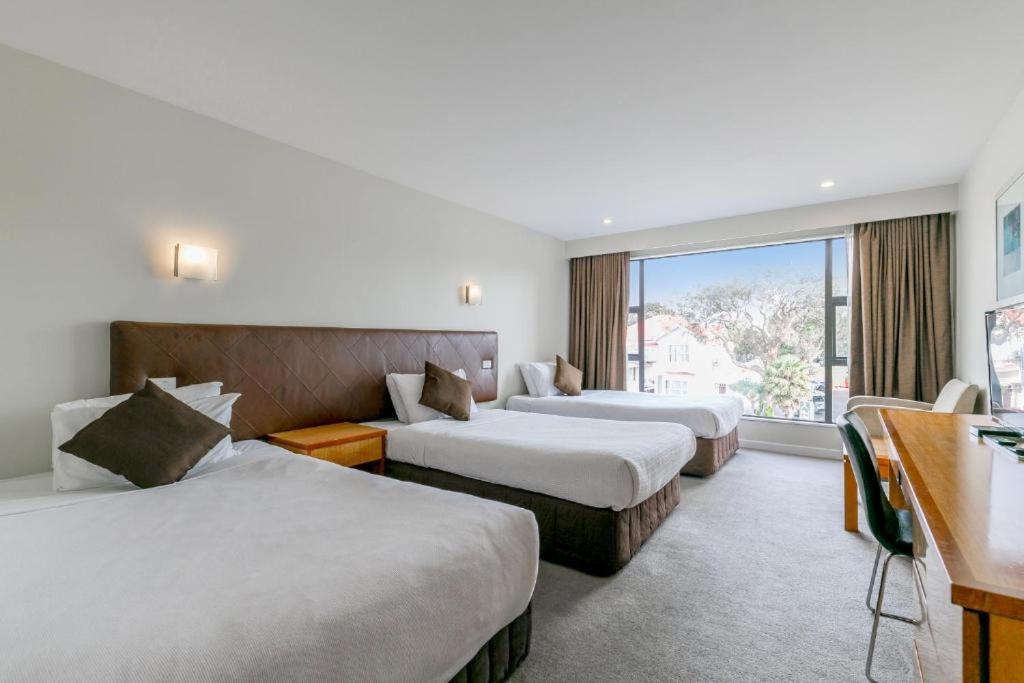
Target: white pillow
x=396 y=400
x=216 y=408
x=540 y=379
x=524 y=370
x=409 y=390
x=186 y=394
x=71 y=473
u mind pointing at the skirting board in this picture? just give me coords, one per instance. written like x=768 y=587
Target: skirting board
x=792 y=449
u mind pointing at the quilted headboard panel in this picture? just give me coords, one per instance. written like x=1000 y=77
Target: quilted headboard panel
x=292 y=377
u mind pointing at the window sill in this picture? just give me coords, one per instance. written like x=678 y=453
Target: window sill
x=785 y=421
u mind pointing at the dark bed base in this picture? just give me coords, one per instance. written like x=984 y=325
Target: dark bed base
x=712 y=454
x=501 y=655
x=598 y=541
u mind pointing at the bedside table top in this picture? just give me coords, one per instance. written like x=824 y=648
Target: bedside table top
x=326 y=435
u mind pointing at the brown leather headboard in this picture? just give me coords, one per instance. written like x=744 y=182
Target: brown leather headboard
x=292 y=377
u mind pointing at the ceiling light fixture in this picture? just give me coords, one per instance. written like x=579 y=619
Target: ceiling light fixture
x=607 y=221
x=825 y=184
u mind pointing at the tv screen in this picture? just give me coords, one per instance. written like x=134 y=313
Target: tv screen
x=1006 y=365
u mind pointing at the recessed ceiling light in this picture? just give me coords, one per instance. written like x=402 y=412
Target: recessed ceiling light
x=825 y=184
x=607 y=221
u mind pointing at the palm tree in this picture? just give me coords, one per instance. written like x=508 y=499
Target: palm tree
x=786 y=382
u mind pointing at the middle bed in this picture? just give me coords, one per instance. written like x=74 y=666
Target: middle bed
x=598 y=488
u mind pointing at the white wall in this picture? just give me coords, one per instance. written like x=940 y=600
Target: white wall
x=769 y=226
x=97 y=183
x=998 y=163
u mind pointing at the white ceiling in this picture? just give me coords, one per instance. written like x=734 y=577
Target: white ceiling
x=557 y=114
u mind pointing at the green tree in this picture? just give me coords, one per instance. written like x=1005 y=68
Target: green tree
x=785 y=384
x=653 y=308
x=761 y=322
x=753 y=391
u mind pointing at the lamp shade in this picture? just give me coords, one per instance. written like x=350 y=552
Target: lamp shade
x=472 y=294
x=195 y=263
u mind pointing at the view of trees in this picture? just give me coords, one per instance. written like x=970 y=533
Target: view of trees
x=773 y=326
x=748 y=321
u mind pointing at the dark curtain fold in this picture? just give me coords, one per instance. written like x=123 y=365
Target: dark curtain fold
x=901 y=317
x=599 y=304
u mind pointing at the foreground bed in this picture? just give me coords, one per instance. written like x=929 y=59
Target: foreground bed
x=712 y=418
x=598 y=488
x=269 y=566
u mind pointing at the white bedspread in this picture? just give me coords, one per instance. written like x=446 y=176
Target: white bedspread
x=594 y=462
x=709 y=416
x=270 y=566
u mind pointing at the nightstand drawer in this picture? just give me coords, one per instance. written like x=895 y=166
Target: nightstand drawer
x=347 y=454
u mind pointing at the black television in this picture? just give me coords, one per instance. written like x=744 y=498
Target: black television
x=1005 y=335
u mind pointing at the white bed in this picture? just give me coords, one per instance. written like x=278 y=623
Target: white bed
x=598 y=463
x=710 y=417
x=268 y=566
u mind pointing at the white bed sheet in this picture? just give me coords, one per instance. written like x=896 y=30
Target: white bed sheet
x=600 y=463
x=270 y=566
x=709 y=416
x=35 y=491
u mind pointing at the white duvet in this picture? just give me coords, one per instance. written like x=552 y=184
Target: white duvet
x=270 y=566
x=599 y=463
x=709 y=416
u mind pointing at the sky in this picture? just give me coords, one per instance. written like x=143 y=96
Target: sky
x=667 y=279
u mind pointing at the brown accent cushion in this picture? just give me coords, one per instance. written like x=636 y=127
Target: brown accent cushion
x=447 y=392
x=151 y=439
x=568 y=379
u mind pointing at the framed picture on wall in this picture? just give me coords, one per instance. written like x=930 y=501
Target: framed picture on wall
x=1009 y=259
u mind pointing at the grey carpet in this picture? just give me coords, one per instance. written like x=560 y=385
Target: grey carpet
x=752 y=578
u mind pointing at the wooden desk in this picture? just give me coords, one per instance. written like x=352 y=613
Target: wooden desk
x=882 y=453
x=968 y=505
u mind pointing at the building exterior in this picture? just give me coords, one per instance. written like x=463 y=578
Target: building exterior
x=676 y=362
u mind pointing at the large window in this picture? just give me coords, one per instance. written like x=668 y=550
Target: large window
x=767 y=324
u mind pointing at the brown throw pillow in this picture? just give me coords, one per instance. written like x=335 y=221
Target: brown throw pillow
x=447 y=392
x=151 y=439
x=568 y=379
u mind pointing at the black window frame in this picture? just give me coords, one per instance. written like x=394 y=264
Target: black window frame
x=832 y=303
x=638 y=310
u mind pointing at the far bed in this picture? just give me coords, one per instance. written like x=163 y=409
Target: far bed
x=598 y=488
x=714 y=418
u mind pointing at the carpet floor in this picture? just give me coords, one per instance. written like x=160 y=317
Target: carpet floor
x=751 y=578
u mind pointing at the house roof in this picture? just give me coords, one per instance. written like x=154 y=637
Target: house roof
x=655 y=328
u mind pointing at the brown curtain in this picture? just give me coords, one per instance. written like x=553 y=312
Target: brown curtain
x=599 y=304
x=901 y=328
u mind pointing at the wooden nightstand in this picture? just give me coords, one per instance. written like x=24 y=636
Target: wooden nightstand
x=345 y=443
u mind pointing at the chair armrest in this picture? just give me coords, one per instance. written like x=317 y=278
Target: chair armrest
x=884 y=402
x=868 y=413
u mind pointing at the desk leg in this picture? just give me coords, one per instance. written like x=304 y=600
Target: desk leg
x=849 y=496
x=895 y=490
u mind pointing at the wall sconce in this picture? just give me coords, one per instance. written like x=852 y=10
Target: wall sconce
x=195 y=263
x=472 y=294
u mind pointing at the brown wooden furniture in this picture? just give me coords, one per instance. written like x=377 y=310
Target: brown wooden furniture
x=881 y=446
x=967 y=499
x=345 y=443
